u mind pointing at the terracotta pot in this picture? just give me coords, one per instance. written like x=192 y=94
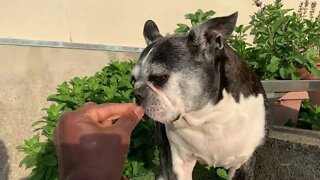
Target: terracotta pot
x=305 y=75
x=288 y=107
x=314 y=97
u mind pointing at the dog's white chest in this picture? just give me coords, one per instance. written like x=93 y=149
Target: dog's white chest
x=224 y=135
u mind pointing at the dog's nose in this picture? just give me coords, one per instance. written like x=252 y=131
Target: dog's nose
x=138 y=96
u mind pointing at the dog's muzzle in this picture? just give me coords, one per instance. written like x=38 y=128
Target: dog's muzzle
x=139 y=95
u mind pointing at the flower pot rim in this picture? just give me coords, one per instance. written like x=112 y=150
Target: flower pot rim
x=295 y=96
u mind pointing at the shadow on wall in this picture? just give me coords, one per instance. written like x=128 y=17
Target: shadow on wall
x=4 y=162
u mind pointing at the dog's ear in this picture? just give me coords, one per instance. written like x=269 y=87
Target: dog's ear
x=151 y=32
x=213 y=33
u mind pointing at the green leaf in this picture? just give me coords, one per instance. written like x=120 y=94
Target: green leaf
x=285 y=11
x=245 y=29
x=50 y=160
x=263 y=31
x=200 y=15
x=148 y=176
x=63 y=88
x=222 y=173
x=311 y=53
x=54 y=97
x=239 y=29
x=28 y=161
x=295 y=76
x=182 y=28
x=263 y=55
x=282 y=73
x=298 y=60
x=315 y=72
x=210 y=13
x=135 y=168
x=274 y=63
x=189 y=16
x=86 y=95
x=39 y=122
x=309 y=23
x=31 y=142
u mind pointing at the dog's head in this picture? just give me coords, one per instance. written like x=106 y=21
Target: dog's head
x=178 y=74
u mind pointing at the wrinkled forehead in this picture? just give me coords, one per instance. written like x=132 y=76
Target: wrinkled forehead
x=155 y=60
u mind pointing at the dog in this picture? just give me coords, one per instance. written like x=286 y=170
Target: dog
x=208 y=104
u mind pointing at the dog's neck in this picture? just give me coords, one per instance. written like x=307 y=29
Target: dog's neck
x=206 y=114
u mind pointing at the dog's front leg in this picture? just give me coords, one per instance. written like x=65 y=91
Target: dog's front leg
x=182 y=164
x=163 y=145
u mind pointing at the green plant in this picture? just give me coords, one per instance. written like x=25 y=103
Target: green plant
x=238 y=40
x=305 y=9
x=195 y=18
x=282 y=42
x=309 y=117
x=112 y=84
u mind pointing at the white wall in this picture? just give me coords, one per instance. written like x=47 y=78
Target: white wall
x=113 y=22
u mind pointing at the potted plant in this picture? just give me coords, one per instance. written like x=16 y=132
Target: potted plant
x=285 y=42
x=306 y=13
x=309 y=117
x=305 y=75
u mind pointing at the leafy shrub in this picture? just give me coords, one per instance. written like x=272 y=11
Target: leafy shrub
x=112 y=84
x=283 y=42
x=195 y=18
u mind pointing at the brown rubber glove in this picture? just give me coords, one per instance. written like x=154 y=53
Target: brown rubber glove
x=90 y=145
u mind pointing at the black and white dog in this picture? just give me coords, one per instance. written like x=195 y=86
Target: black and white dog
x=213 y=107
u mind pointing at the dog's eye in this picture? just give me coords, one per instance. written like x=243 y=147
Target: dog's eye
x=158 y=80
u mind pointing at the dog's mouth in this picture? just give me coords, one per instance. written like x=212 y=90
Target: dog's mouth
x=175 y=119
x=145 y=116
